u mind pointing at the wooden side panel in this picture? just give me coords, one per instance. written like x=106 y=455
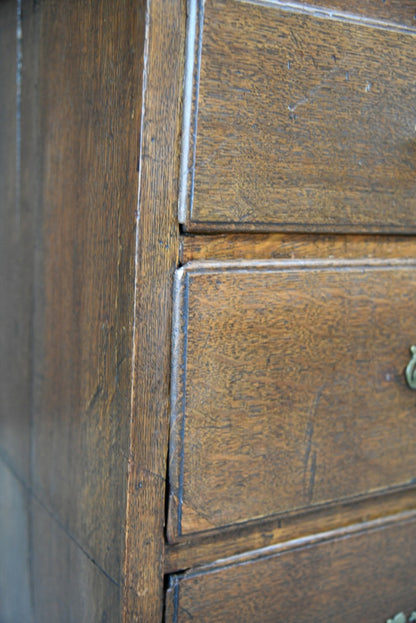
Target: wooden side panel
x=16 y=259
x=79 y=183
x=288 y=389
x=294 y=122
x=361 y=577
x=69 y=254
x=16 y=273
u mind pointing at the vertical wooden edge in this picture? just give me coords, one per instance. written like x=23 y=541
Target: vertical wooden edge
x=187 y=110
x=177 y=418
x=31 y=182
x=193 y=53
x=172 y=600
x=157 y=250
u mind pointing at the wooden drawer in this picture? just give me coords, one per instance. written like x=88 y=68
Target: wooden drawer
x=357 y=577
x=294 y=121
x=288 y=388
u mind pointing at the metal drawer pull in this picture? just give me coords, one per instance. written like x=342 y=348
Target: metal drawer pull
x=410 y=372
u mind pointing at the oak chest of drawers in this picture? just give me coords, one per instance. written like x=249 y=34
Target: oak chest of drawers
x=289 y=405
x=223 y=417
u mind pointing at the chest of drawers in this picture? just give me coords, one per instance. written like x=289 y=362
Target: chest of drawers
x=285 y=388
x=216 y=423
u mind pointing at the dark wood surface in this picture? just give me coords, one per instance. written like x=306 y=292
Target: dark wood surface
x=67 y=300
x=302 y=123
x=156 y=258
x=89 y=98
x=235 y=540
x=288 y=388
x=341 y=580
x=86 y=300
x=16 y=257
x=16 y=293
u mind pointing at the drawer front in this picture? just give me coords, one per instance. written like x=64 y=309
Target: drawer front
x=360 y=577
x=298 y=122
x=288 y=388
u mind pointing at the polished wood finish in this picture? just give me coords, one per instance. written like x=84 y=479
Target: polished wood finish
x=90 y=118
x=292 y=246
x=288 y=388
x=294 y=122
x=79 y=119
x=156 y=259
x=285 y=530
x=89 y=93
x=336 y=580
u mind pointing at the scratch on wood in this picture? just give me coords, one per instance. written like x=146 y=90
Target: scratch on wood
x=309 y=439
x=312 y=477
x=314 y=90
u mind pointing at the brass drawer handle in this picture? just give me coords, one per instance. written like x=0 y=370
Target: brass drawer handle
x=410 y=372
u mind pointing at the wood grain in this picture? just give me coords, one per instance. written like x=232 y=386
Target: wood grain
x=393 y=11
x=16 y=260
x=16 y=296
x=236 y=540
x=96 y=550
x=288 y=389
x=68 y=228
x=86 y=273
x=156 y=259
x=90 y=74
x=297 y=123
x=292 y=246
x=341 y=580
